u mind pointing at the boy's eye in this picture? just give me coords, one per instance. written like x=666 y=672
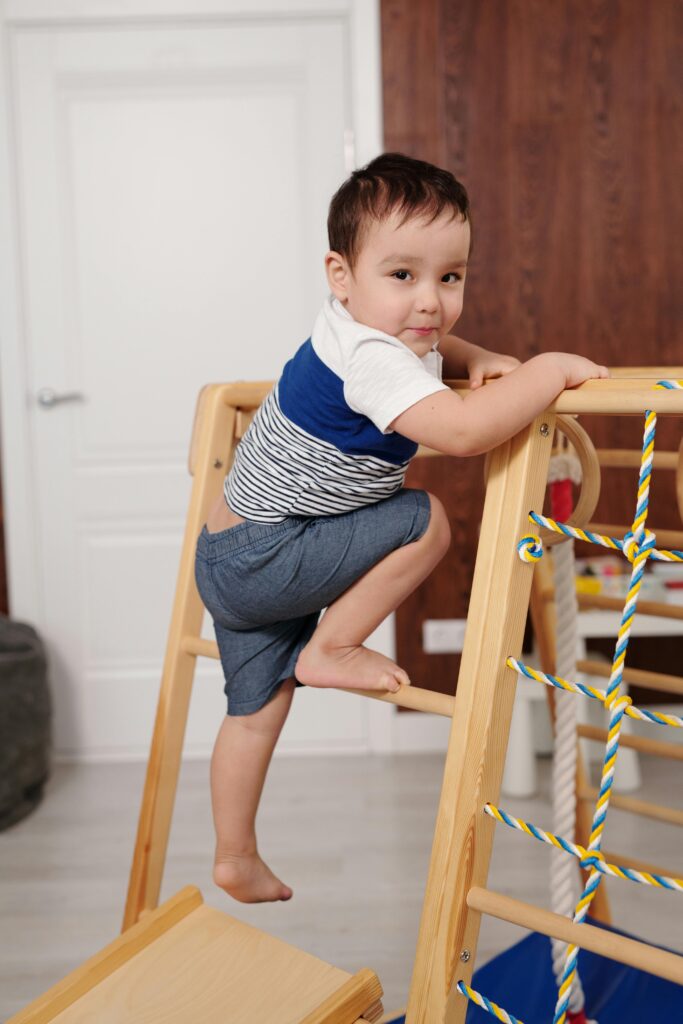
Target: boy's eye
x=451 y=278
x=401 y=275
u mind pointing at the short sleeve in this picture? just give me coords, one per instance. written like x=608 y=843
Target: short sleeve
x=384 y=378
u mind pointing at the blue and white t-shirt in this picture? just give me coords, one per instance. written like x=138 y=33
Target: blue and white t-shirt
x=320 y=443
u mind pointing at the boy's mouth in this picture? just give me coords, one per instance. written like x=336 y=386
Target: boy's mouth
x=422 y=331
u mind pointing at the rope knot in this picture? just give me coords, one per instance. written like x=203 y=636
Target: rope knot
x=530 y=548
x=617 y=702
x=593 y=860
x=634 y=546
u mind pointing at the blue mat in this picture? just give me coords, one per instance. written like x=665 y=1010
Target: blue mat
x=521 y=981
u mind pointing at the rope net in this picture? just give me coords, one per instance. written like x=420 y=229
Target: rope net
x=638 y=546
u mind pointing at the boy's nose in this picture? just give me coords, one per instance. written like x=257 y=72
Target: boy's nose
x=428 y=301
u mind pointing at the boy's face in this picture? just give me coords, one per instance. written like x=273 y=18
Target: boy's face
x=408 y=280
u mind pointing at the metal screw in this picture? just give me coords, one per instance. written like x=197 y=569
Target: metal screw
x=217 y=464
x=545 y=429
x=465 y=955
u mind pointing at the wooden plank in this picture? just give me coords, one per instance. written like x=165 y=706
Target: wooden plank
x=360 y=994
x=478 y=739
x=212 y=968
x=616 y=947
x=86 y=977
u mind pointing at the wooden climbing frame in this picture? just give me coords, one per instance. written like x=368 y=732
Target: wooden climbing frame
x=456 y=893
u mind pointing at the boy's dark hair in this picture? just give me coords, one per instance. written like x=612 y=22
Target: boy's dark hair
x=391 y=182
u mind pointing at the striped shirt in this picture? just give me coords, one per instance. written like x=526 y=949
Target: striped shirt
x=320 y=444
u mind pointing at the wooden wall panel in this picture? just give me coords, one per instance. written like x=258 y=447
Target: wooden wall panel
x=564 y=122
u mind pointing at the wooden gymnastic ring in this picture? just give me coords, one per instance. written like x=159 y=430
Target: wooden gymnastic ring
x=590 y=478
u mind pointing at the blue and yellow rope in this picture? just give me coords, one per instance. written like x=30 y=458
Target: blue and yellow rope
x=637 y=546
x=587 y=858
x=595 y=692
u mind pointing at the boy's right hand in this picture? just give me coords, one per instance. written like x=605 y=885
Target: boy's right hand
x=577 y=369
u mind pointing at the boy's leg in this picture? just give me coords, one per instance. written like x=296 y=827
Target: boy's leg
x=334 y=655
x=241 y=756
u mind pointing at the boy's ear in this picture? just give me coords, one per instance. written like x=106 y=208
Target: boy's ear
x=337 y=270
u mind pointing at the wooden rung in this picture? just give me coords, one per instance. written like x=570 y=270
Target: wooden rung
x=643 y=744
x=621 y=458
x=616 y=947
x=415 y=698
x=670 y=539
x=616 y=604
x=637 y=676
x=624 y=861
x=198 y=646
x=642 y=807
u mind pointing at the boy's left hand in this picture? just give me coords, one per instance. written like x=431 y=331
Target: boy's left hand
x=483 y=364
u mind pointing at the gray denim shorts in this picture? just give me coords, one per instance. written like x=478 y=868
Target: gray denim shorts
x=266 y=584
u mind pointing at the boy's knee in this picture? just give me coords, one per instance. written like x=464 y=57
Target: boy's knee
x=439 y=527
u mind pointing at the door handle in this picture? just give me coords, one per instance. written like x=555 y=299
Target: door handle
x=47 y=398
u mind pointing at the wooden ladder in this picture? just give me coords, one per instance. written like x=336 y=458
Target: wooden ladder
x=158 y=944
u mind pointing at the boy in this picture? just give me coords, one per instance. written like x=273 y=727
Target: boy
x=314 y=514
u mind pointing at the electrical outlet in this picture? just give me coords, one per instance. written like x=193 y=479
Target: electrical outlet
x=443 y=636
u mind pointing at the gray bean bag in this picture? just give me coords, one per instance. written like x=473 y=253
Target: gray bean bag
x=25 y=719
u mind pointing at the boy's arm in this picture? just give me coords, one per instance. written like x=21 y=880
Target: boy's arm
x=491 y=414
x=463 y=359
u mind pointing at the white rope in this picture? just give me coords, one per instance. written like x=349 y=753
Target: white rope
x=563 y=878
x=564 y=889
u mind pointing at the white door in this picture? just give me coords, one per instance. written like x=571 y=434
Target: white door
x=173 y=181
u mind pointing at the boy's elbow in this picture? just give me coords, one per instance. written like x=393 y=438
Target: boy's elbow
x=462 y=446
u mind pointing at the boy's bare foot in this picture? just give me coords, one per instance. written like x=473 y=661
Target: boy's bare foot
x=352 y=668
x=248 y=879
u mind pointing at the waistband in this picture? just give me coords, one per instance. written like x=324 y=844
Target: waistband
x=244 y=535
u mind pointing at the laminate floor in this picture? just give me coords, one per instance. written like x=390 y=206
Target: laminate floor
x=351 y=835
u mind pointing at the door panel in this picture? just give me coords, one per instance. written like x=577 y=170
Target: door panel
x=173 y=195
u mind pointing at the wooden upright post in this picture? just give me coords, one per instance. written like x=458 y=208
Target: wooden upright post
x=476 y=753
x=215 y=430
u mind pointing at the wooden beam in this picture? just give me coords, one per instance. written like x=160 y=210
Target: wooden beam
x=463 y=837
